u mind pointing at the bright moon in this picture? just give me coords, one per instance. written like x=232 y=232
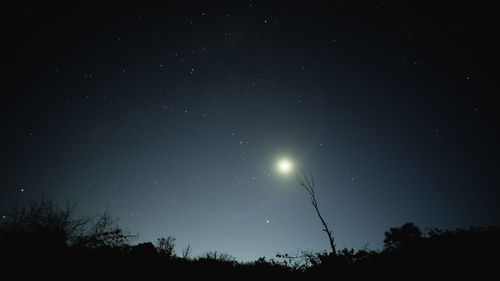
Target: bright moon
x=284 y=166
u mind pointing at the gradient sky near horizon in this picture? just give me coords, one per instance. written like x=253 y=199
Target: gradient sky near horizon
x=173 y=118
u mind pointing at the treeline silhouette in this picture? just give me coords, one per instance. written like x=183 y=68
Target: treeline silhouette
x=44 y=241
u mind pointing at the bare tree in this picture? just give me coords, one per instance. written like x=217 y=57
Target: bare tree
x=186 y=251
x=217 y=256
x=166 y=246
x=308 y=184
x=103 y=231
x=44 y=223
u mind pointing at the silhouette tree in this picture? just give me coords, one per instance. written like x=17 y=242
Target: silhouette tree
x=401 y=237
x=308 y=184
x=165 y=246
x=144 y=250
x=103 y=231
x=186 y=251
x=44 y=224
x=43 y=241
x=40 y=224
x=217 y=256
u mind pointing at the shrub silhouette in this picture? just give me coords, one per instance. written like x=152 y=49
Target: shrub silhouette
x=45 y=224
x=144 y=250
x=402 y=237
x=165 y=246
x=41 y=224
x=44 y=241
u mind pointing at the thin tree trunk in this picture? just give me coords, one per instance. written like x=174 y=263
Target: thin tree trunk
x=308 y=184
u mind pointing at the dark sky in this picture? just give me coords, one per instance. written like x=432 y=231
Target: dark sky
x=173 y=118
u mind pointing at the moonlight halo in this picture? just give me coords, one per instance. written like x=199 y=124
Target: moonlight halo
x=285 y=166
x=191 y=115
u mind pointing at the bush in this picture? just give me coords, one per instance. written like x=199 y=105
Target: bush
x=44 y=224
x=165 y=246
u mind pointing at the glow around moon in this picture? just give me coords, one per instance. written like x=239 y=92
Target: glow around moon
x=285 y=166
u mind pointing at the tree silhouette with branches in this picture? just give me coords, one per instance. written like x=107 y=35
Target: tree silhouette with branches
x=307 y=182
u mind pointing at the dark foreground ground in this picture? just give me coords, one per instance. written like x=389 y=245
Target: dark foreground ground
x=469 y=253
x=44 y=242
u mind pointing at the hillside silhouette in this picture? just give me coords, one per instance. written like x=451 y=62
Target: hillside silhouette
x=43 y=241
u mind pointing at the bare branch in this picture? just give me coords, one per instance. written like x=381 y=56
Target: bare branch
x=186 y=251
x=308 y=184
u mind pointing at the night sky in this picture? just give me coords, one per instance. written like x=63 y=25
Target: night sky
x=174 y=117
